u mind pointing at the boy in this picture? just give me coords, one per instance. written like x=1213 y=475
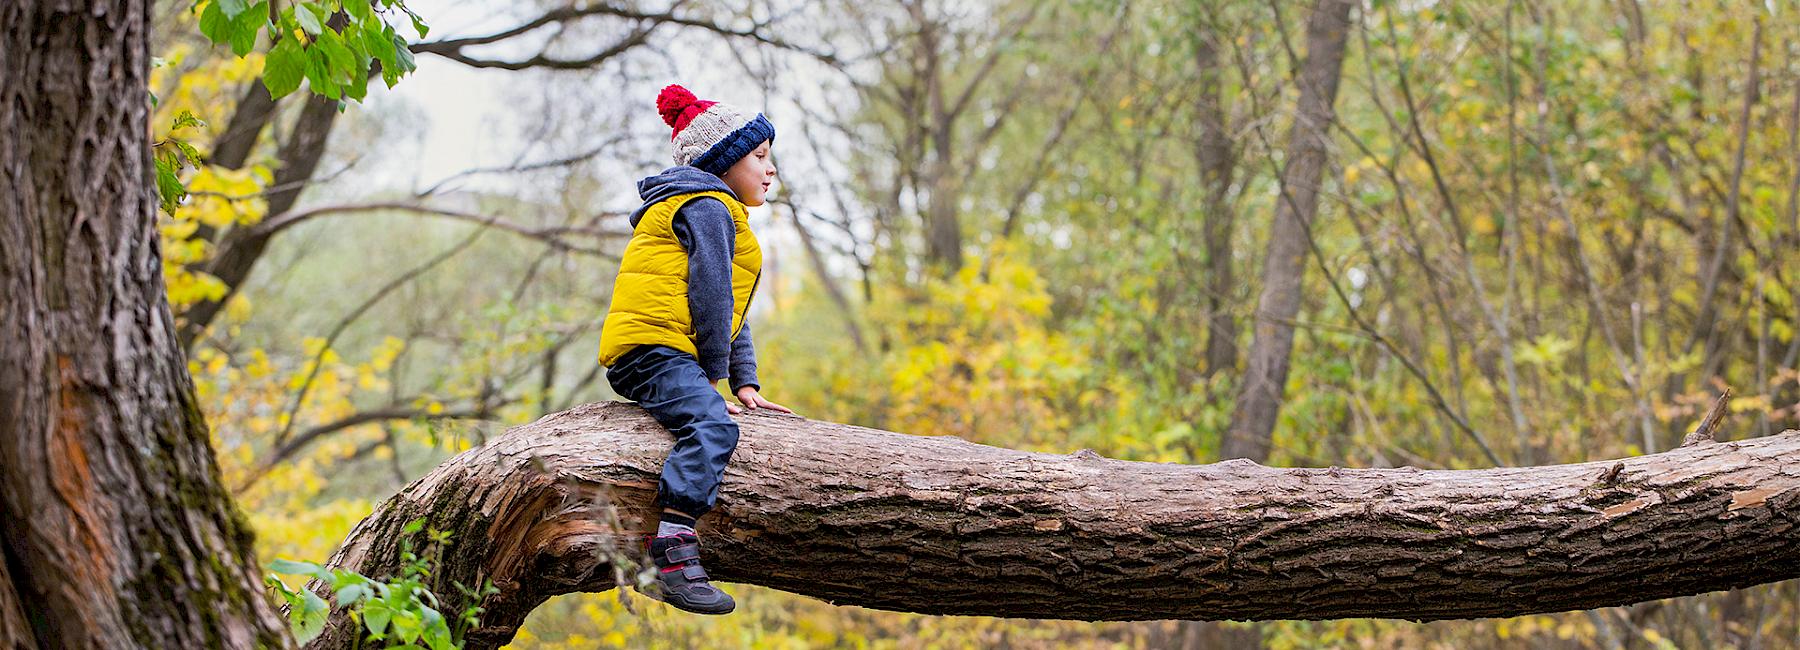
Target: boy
x=676 y=323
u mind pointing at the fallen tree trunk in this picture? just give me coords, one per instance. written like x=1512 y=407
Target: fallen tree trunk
x=940 y=525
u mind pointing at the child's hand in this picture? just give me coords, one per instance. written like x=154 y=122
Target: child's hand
x=753 y=399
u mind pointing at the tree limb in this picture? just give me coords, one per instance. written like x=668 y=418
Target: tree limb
x=552 y=235
x=287 y=448
x=452 y=48
x=541 y=60
x=940 y=525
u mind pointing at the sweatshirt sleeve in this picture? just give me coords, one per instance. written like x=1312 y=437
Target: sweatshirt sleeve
x=704 y=227
x=743 y=360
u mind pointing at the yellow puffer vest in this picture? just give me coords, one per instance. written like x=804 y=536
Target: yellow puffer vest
x=650 y=297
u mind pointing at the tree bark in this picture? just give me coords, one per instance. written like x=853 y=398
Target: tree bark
x=117 y=533
x=1259 y=393
x=939 y=525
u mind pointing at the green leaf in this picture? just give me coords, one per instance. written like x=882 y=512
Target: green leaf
x=406 y=626
x=359 y=84
x=281 y=565
x=215 y=24
x=403 y=57
x=418 y=23
x=378 y=46
x=308 y=21
x=375 y=617
x=362 y=11
x=283 y=68
x=390 y=74
x=168 y=186
x=351 y=594
x=320 y=10
x=308 y=621
x=437 y=635
x=287 y=595
x=188 y=152
x=341 y=578
x=352 y=40
x=340 y=62
x=186 y=118
x=413 y=526
x=374 y=41
x=246 y=26
x=399 y=61
x=231 y=7
x=318 y=74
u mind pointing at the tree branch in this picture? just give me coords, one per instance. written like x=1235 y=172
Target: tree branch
x=541 y=60
x=287 y=449
x=550 y=235
x=939 y=525
x=452 y=48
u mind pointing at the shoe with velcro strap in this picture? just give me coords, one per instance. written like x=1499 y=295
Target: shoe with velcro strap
x=681 y=582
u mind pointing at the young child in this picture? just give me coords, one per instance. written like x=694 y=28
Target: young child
x=676 y=323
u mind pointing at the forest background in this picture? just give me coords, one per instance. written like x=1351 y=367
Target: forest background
x=1537 y=233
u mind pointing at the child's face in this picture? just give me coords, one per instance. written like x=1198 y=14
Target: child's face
x=749 y=179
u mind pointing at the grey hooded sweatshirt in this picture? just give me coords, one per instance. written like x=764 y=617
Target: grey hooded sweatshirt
x=705 y=230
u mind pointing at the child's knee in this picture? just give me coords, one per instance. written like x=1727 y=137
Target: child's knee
x=690 y=407
x=721 y=434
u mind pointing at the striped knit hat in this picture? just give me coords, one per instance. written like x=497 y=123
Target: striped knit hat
x=710 y=135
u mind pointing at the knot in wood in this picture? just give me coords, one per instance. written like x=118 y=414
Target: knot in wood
x=1697 y=438
x=1611 y=476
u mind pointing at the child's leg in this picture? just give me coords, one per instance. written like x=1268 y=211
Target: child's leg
x=670 y=385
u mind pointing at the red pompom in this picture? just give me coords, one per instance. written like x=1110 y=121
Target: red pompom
x=672 y=101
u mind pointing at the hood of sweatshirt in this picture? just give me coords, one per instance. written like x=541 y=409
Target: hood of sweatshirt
x=680 y=179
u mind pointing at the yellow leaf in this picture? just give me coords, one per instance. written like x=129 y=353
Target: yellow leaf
x=1484 y=224
x=178 y=228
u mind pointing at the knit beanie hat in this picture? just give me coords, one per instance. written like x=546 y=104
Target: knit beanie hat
x=710 y=135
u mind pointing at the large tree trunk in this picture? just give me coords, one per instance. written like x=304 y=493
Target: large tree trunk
x=940 y=525
x=117 y=533
x=1259 y=393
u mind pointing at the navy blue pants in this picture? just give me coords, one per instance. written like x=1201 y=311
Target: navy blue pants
x=670 y=385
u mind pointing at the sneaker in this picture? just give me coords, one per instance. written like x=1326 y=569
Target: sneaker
x=684 y=585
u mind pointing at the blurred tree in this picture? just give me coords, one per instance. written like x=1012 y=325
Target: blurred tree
x=1265 y=378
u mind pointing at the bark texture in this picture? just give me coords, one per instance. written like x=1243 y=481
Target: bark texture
x=1259 y=393
x=940 y=525
x=116 y=531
